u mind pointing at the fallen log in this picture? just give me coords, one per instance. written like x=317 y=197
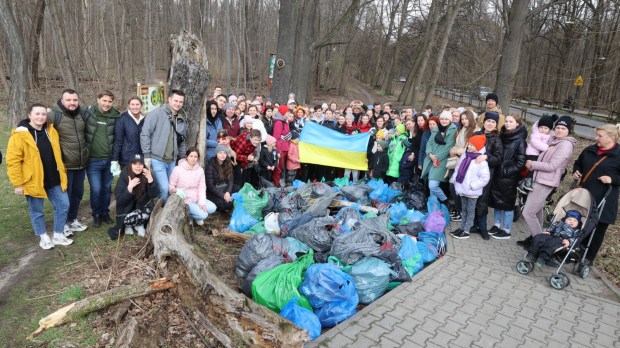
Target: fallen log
x=225 y=233
x=98 y=301
x=128 y=332
x=251 y=322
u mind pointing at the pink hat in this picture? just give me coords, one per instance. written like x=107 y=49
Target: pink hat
x=271 y=140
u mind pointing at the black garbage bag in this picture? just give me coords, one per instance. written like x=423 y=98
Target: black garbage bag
x=319 y=206
x=263 y=265
x=290 y=202
x=289 y=224
x=264 y=183
x=397 y=186
x=357 y=192
x=258 y=247
x=353 y=246
x=376 y=227
x=411 y=228
x=317 y=233
x=415 y=198
x=275 y=196
x=396 y=263
x=347 y=218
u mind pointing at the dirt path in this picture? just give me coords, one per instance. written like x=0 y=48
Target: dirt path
x=18 y=270
x=358 y=90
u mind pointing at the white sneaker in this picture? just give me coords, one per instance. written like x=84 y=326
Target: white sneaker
x=141 y=231
x=46 y=242
x=128 y=230
x=60 y=239
x=67 y=232
x=200 y=222
x=76 y=226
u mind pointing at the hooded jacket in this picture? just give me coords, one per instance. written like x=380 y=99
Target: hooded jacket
x=441 y=151
x=551 y=164
x=74 y=143
x=280 y=130
x=214 y=125
x=494 y=149
x=23 y=160
x=508 y=174
x=190 y=179
x=156 y=130
x=476 y=177
x=126 y=138
x=539 y=142
x=396 y=149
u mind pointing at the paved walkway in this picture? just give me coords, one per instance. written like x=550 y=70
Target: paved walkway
x=473 y=297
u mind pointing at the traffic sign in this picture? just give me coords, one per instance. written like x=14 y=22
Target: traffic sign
x=579 y=81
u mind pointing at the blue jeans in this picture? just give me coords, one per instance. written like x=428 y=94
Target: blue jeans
x=75 y=191
x=481 y=221
x=433 y=186
x=100 y=181
x=161 y=172
x=198 y=214
x=60 y=202
x=504 y=217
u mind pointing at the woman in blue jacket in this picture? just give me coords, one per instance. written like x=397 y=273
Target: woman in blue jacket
x=214 y=125
x=127 y=130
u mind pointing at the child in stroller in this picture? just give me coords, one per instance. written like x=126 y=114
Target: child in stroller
x=559 y=235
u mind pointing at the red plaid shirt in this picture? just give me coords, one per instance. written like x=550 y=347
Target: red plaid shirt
x=243 y=148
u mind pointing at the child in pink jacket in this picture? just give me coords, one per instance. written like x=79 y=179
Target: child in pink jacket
x=188 y=181
x=292 y=162
x=541 y=135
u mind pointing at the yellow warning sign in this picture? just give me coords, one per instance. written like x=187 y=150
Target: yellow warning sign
x=579 y=81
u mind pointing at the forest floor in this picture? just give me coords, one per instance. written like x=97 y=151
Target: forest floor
x=34 y=282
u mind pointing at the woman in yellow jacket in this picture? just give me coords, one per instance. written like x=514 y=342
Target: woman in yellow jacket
x=35 y=168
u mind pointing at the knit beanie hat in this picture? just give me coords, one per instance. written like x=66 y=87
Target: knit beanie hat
x=565 y=121
x=492 y=96
x=380 y=134
x=271 y=140
x=573 y=214
x=283 y=109
x=220 y=148
x=547 y=121
x=383 y=144
x=491 y=115
x=401 y=128
x=478 y=141
x=246 y=119
x=446 y=114
x=229 y=106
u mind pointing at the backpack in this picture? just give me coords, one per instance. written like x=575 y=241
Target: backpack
x=58 y=115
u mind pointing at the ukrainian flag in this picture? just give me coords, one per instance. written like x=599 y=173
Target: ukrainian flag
x=324 y=146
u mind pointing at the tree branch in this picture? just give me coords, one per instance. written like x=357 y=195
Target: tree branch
x=351 y=11
x=539 y=9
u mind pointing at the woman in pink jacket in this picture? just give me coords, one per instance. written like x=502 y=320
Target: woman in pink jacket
x=282 y=133
x=548 y=171
x=188 y=181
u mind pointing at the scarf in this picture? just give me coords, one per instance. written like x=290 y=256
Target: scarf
x=469 y=156
x=71 y=113
x=440 y=137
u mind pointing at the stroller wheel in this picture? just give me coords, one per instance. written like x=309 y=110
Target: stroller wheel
x=584 y=272
x=559 y=281
x=577 y=268
x=524 y=267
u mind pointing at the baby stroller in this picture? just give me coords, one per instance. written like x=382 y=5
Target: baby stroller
x=581 y=200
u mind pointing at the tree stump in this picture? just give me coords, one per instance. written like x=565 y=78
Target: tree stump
x=189 y=73
x=253 y=323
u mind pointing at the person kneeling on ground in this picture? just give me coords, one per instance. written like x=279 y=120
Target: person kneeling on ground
x=220 y=181
x=136 y=192
x=188 y=182
x=560 y=234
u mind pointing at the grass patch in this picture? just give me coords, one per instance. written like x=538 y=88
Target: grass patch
x=72 y=294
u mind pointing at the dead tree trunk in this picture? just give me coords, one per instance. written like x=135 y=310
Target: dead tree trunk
x=253 y=323
x=189 y=73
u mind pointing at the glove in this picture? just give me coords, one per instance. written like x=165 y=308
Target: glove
x=147 y=162
x=115 y=168
x=181 y=193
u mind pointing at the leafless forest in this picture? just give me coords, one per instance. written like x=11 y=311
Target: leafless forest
x=522 y=48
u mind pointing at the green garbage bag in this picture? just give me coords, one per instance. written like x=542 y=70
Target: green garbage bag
x=258 y=228
x=253 y=201
x=341 y=182
x=276 y=287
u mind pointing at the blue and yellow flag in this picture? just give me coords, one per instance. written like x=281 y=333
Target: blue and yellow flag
x=324 y=146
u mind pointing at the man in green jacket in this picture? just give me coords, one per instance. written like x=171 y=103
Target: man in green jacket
x=71 y=122
x=98 y=170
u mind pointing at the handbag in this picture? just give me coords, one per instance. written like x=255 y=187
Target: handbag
x=452 y=161
x=585 y=177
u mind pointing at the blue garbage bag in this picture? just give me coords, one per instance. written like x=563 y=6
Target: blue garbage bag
x=412 y=216
x=436 y=241
x=296 y=247
x=375 y=183
x=347 y=217
x=427 y=253
x=411 y=256
x=372 y=277
x=397 y=211
x=298 y=183
x=433 y=205
x=302 y=317
x=384 y=194
x=241 y=220
x=331 y=292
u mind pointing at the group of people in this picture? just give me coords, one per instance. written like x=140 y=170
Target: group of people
x=468 y=161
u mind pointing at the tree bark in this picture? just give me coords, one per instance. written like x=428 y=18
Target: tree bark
x=391 y=75
x=454 y=9
x=33 y=43
x=19 y=90
x=68 y=69
x=253 y=323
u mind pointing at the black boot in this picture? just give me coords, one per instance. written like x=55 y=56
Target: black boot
x=96 y=221
x=526 y=242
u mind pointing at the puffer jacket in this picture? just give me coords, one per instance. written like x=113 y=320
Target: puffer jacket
x=101 y=140
x=494 y=150
x=609 y=167
x=539 y=142
x=563 y=230
x=24 y=165
x=396 y=150
x=126 y=138
x=213 y=127
x=72 y=132
x=508 y=174
x=476 y=177
x=190 y=179
x=441 y=151
x=551 y=164
x=213 y=180
x=156 y=130
x=281 y=130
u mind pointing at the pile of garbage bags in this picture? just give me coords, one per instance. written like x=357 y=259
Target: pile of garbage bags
x=320 y=249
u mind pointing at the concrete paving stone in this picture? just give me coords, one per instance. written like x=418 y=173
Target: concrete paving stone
x=363 y=341
x=487 y=340
x=375 y=332
x=517 y=332
x=551 y=305
x=388 y=321
x=392 y=302
x=386 y=342
x=461 y=317
x=556 y=344
x=551 y=315
x=531 y=343
x=581 y=339
x=367 y=320
x=481 y=318
x=534 y=303
x=399 y=312
x=469 y=308
x=417 y=339
x=609 y=319
x=353 y=330
x=463 y=340
x=495 y=330
x=528 y=312
x=508 y=309
x=431 y=325
x=337 y=341
x=586 y=328
x=538 y=334
x=522 y=322
x=585 y=317
x=606 y=329
x=398 y=334
x=452 y=327
x=509 y=341
x=381 y=310
x=544 y=323
x=488 y=308
x=560 y=335
x=443 y=337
